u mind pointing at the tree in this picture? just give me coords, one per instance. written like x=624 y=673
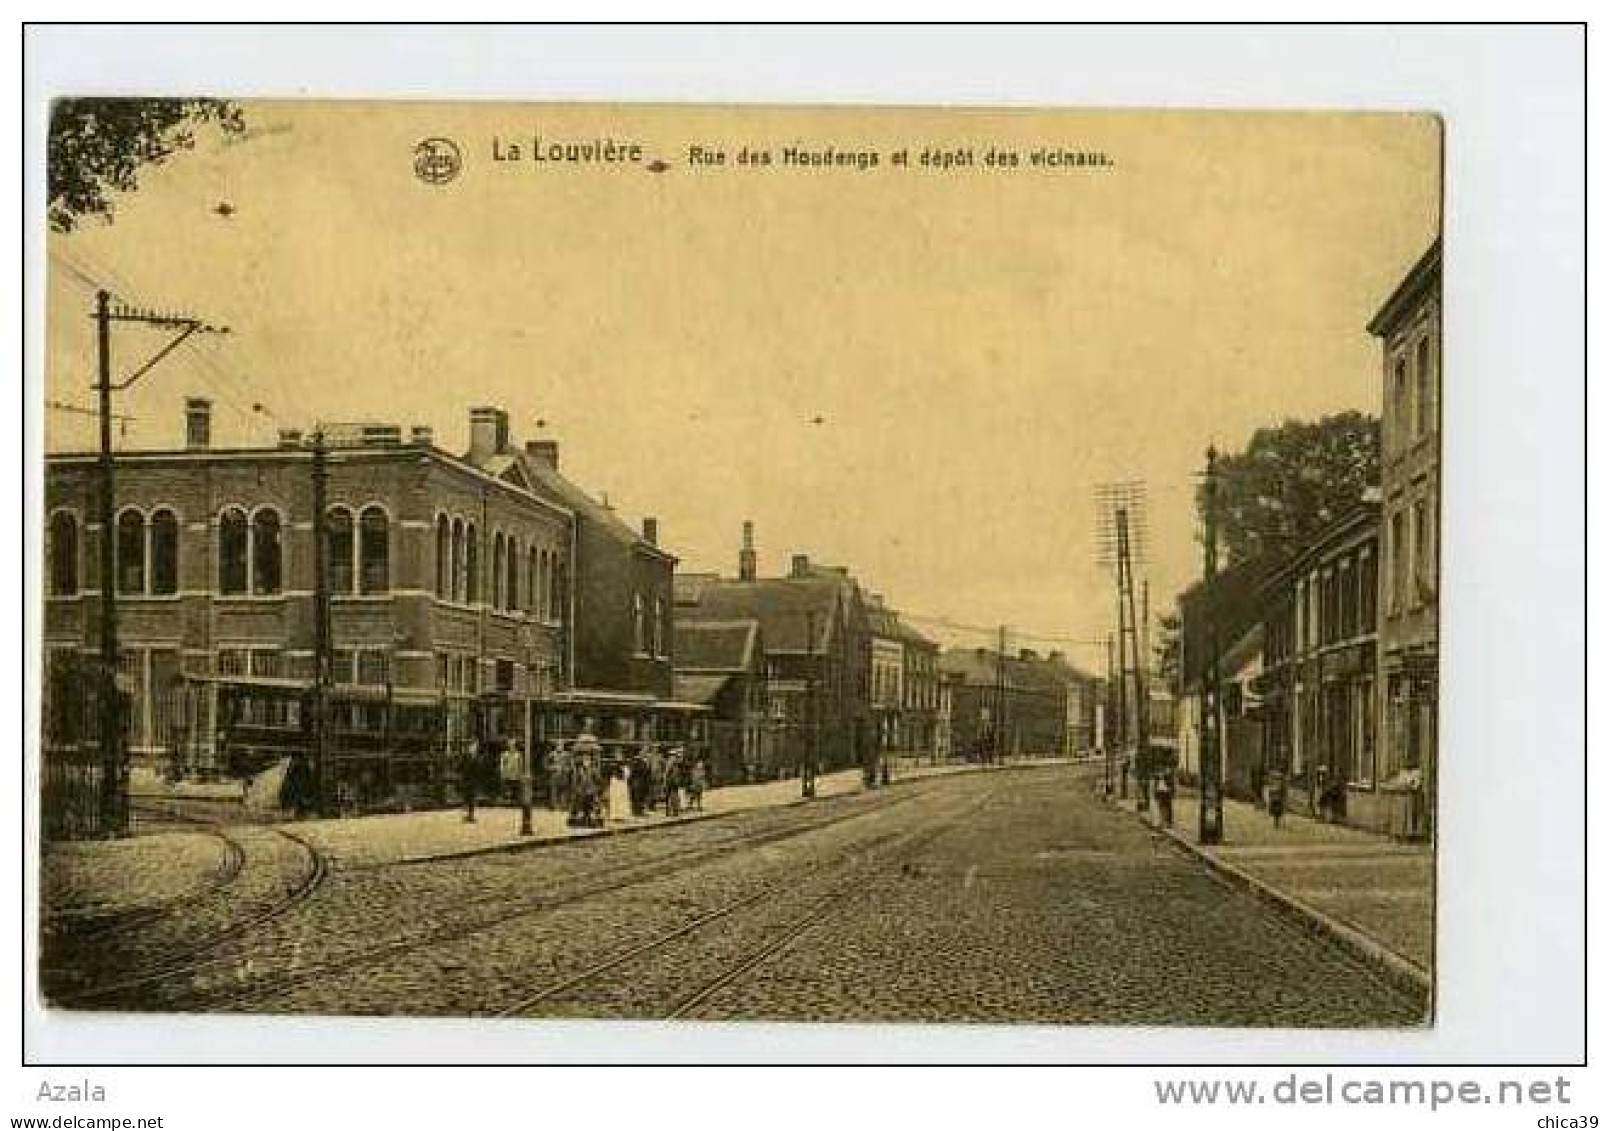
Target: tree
x=1167 y=649
x=1291 y=481
x=98 y=146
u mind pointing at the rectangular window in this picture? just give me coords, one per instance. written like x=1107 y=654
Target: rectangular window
x=1399 y=404
x=1425 y=407
x=1421 y=552
x=374 y=667
x=1398 y=564
x=232 y=662
x=1368 y=598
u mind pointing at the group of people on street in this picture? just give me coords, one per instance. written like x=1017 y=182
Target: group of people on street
x=594 y=787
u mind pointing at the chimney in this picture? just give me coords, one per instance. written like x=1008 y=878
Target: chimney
x=748 y=563
x=423 y=435
x=1027 y=654
x=488 y=432
x=1057 y=655
x=545 y=450
x=650 y=531
x=801 y=566
x=197 y=423
x=290 y=437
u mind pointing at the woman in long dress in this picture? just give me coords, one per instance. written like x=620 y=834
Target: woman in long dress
x=619 y=793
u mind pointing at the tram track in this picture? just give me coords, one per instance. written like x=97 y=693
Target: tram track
x=263 y=989
x=200 y=950
x=862 y=863
x=74 y=928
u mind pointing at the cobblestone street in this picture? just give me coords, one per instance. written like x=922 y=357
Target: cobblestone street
x=1000 y=896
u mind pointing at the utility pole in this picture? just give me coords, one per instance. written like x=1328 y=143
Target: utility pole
x=113 y=816
x=525 y=756
x=322 y=657
x=1108 y=736
x=807 y=780
x=114 y=766
x=1142 y=742
x=1000 y=700
x=1212 y=804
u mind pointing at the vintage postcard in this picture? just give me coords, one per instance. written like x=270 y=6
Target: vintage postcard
x=741 y=563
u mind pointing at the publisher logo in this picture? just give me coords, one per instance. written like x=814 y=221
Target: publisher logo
x=436 y=160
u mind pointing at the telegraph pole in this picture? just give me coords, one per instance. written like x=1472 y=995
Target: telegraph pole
x=114 y=815
x=114 y=766
x=1212 y=803
x=322 y=658
x=807 y=780
x=1106 y=734
x=1000 y=700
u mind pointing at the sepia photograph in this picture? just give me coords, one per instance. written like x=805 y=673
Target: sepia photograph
x=984 y=558
x=741 y=563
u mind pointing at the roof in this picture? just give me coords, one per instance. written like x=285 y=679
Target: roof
x=701 y=690
x=1362 y=519
x=1232 y=603
x=783 y=607
x=1420 y=279
x=715 y=645
x=544 y=479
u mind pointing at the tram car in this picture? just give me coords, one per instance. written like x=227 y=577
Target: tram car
x=388 y=750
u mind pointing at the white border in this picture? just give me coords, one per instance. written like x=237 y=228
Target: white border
x=1513 y=687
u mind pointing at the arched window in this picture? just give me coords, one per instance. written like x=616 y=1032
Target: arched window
x=164 y=552
x=458 y=560
x=444 y=561
x=555 y=600
x=532 y=560
x=267 y=555
x=374 y=541
x=63 y=553
x=511 y=587
x=639 y=638
x=131 y=552
x=497 y=570
x=338 y=529
x=232 y=538
x=471 y=564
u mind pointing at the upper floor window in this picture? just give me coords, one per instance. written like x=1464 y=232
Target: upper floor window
x=1424 y=402
x=250 y=552
x=1398 y=565
x=1399 y=400
x=64 y=553
x=456 y=569
x=164 y=552
x=1368 y=585
x=267 y=552
x=533 y=589
x=374 y=550
x=497 y=570
x=471 y=564
x=444 y=541
x=131 y=552
x=341 y=537
x=234 y=532
x=511 y=582
x=659 y=626
x=639 y=641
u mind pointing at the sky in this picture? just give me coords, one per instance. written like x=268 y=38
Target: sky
x=921 y=374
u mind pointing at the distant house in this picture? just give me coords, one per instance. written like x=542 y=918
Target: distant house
x=721 y=665
x=813 y=623
x=1018 y=705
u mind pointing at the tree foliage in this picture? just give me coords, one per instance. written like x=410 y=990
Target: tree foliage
x=1166 y=647
x=1292 y=481
x=98 y=146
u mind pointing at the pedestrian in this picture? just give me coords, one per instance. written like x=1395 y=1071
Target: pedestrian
x=1276 y=796
x=673 y=783
x=619 y=794
x=697 y=778
x=1164 y=799
x=656 y=777
x=584 y=785
x=469 y=778
x=559 y=777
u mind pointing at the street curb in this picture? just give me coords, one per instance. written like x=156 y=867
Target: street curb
x=625 y=830
x=1402 y=973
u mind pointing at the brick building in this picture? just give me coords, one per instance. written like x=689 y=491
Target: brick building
x=445 y=581
x=1409 y=328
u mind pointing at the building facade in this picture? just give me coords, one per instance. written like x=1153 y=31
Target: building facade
x=1408 y=326
x=721 y=665
x=445 y=581
x=1319 y=682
